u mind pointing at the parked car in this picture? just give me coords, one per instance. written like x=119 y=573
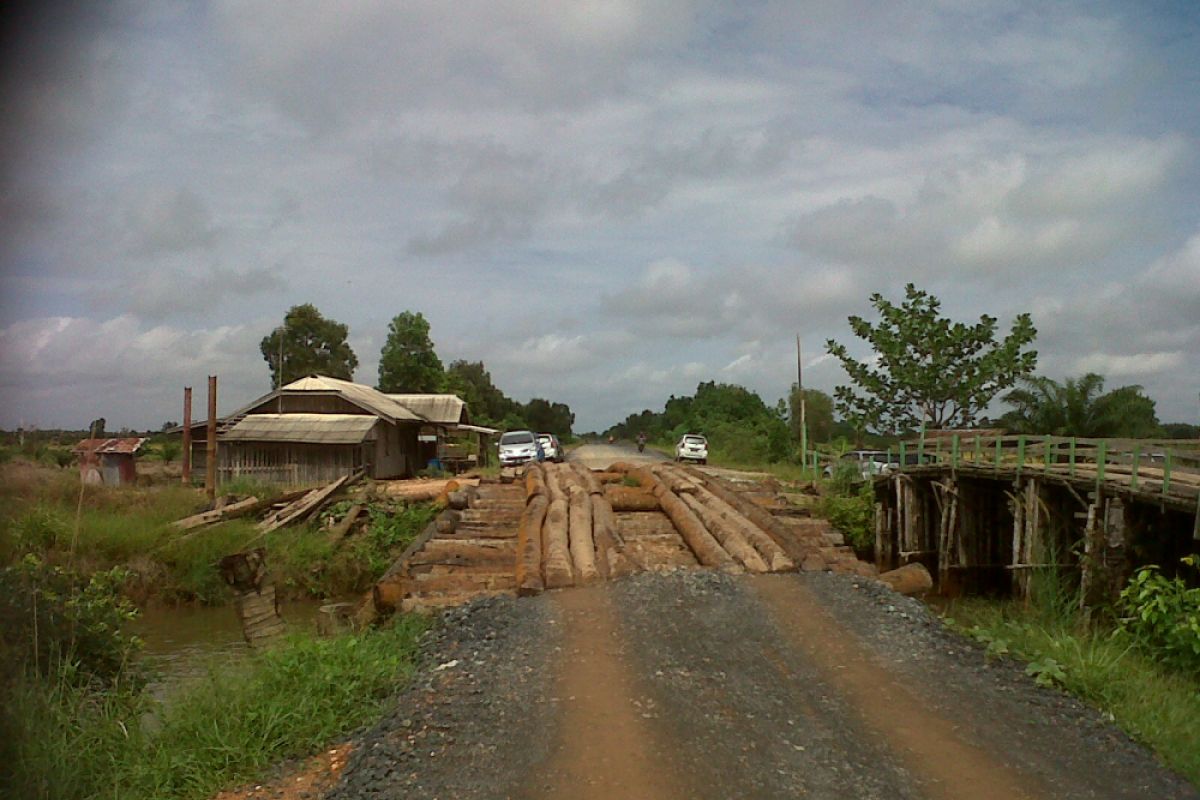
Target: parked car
x=520 y=447
x=692 y=447
x=869 y=463
x=551 y=447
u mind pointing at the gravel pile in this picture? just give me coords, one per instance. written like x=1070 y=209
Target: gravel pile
x=475 y=720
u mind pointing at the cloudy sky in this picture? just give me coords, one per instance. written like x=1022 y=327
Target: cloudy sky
x=605 y=202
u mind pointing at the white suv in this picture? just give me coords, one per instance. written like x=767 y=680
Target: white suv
x=692 y=447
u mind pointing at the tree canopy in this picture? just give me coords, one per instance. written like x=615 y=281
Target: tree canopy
x=408 y=362
x=311 y=344
x=926 y=368
x=547 y=417
x=1079 y=407
x=818 y=412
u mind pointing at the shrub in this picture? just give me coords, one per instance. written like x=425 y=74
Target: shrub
x=852 y=512
x=1163 y=615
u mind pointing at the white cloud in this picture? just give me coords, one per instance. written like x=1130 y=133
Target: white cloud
x=1124 y=366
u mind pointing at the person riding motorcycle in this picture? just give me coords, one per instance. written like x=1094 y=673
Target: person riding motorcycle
x=641 y=441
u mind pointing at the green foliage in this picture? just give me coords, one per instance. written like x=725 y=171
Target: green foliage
x=471 y=381
x=740 y=427
x=1153 y=701
x=818 y=413
x=928 y=368
x=311 y=344
x=407 y=362
x=850 y=507
x=547 y=417
x=55 y=620
x=169 y=450
x=1078 y=407
x=1163 y=615
x=66 y=742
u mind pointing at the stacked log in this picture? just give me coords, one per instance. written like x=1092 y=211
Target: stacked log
x=529 y=534
x=706 y=549
x=556 y=554
x=627 y=498
x=582 y=545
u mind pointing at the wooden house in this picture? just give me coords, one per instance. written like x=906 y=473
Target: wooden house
x=317 y=429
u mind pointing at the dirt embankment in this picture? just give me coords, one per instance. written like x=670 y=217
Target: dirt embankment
x=697 y=684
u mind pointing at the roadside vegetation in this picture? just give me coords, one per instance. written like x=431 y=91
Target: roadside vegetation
x=1139 y=663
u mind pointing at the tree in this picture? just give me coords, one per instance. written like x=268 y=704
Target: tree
x=818 y=411
x=311 y=345
x=1181 y=430
x=96 y=429
x=408 y=363
x=547 y=417
x=1078 y=407
x=471 y=381
x=927 y=368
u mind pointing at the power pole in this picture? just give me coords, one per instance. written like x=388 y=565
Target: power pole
x=210 y=472
x=803 y=404
x=187 y=436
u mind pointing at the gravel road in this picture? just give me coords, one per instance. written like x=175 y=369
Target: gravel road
x=695 y=684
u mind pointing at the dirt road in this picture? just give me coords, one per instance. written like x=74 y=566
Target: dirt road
x=699 y=685
x=599 y=456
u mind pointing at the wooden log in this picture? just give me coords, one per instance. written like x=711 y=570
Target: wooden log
x=727 y=534
x=346 y=523
x=706 y=549
x=774 y=555
x=583 y=546
x=461 y=499
x=228 y=511
x=388 y=592
x=529 y=546
x=588 y=478
x=911 y=579
x=627 y=498
x=556 y=554
x=305 y=506
x=447 y=521
x=610 y=477
x=554 y=483
x=535 y=482
x=612 y=561
x=796 y=549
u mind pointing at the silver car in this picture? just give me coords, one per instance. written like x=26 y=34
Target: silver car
x=519 y=447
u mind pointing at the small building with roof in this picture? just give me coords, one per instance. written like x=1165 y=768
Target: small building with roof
x=316 y=429
x=111 y=462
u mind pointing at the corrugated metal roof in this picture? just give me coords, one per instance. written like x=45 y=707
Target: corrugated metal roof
x=306 y=428
x=443 y=409
x=128 y=445
x=371 y=399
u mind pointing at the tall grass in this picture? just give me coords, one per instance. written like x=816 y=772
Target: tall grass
x=63 y=741
x=1103 y=665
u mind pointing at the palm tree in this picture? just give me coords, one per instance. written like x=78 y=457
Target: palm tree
x=1078 y=407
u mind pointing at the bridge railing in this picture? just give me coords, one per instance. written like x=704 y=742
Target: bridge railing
x=1171 y=466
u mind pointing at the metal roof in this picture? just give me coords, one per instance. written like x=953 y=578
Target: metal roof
x=307 y=428
x=128 y=445
x=366 y=397
x=442 y=409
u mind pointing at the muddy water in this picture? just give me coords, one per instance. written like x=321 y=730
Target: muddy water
x=181 y=643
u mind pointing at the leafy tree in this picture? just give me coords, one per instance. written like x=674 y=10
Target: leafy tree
x=927 y=368
x=471 y=381
x=1181 y=430
x=408 y=363
x=1079 y=407
x=96 y=428
x=547 y=417
x=311 y=345
x=818 y=411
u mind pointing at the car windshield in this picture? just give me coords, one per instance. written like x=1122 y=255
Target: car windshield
x=694 y=440
x=517 y=438
x=544 y=439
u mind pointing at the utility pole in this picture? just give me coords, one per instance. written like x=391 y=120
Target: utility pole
x=210 y=473
x=803 y=404
x=187 y=436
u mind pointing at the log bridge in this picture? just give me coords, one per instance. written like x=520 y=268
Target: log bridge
x=561 y=525
x=998 y=513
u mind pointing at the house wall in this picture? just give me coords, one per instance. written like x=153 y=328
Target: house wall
x=396 y=452
x=308 y=404
x=289 y=464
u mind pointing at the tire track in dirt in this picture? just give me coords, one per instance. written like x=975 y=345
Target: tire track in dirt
x=945 y=764
x=605 y=748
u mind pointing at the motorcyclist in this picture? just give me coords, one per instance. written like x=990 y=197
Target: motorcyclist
x=641 y=441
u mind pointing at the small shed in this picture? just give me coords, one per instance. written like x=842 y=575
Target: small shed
x=111 y=462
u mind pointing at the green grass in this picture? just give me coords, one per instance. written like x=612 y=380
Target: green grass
x=1155 y=704
x=127 y=526
x=63 y=742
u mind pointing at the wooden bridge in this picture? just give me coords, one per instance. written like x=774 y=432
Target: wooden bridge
x=988 y=513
